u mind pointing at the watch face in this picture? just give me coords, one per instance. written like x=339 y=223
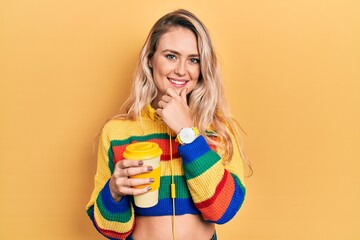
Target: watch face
x=187 y=135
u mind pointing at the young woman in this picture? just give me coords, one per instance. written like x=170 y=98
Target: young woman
x=177 y=101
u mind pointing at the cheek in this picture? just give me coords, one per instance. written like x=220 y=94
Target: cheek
x=195 y=73
x=158 y=73
x=162 y=67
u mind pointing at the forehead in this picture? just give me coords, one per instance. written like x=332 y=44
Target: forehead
x=179 y=39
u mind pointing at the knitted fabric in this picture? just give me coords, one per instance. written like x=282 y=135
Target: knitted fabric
x=204 y=185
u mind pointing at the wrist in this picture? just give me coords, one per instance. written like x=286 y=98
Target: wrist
x=186 y=123
x=115 y=196
x=187 y=135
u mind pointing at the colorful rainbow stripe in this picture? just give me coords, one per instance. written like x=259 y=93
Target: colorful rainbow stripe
x=204 y=185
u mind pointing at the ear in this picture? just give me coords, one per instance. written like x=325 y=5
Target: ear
x=150 y=63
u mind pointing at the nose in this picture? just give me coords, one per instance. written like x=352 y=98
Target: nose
x=180 y=68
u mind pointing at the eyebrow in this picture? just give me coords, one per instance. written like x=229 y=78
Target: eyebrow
x=177 y=53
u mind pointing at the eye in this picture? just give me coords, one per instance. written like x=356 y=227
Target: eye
x=170 y=56
x=194 y=60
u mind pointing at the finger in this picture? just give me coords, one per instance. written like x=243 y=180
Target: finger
x=159 y=112
x=125 y=163
x=131 y=171
x=134 y=191
x=162 y=104
x=166 y=98
x=183 y=95
x=133 y=182
x=121 y=166
x=171 y=92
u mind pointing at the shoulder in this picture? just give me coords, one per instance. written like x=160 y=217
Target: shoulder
x=117 y=128
x=116 y=123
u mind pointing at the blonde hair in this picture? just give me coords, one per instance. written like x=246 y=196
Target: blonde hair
x=207 y=103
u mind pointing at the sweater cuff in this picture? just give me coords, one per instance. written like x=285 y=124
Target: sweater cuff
x=194 y=150
x=110 y=204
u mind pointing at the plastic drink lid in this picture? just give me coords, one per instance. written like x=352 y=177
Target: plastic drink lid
x=142 y=150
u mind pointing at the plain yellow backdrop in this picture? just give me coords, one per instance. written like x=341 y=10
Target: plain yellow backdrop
x=292 y=77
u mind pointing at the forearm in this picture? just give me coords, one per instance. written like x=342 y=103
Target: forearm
x=217 y=192
x=113 y=219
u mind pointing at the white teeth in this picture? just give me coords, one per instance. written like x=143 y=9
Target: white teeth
x=177 y=82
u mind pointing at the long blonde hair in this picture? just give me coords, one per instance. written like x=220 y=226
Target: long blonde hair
x=207 y=103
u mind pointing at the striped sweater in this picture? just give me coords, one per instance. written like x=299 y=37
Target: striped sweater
x=204 y=185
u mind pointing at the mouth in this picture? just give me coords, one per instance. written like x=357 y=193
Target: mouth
x=178 y=82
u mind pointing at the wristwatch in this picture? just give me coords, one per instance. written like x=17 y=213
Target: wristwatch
x=187 y=135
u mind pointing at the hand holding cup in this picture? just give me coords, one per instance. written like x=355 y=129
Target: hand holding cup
x=138 y=174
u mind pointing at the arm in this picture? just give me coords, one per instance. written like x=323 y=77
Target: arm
x=217 y=189
x=115 y=220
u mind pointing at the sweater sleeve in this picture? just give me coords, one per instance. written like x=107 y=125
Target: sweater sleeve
x=216 y=188
x=114 y=220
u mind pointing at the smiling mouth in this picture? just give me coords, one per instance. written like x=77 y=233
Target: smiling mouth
x=177 y=82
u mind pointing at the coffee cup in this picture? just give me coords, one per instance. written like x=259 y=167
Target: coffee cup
x=149 y=153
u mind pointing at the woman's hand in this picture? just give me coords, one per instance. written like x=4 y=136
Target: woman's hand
x=120 y=184
x=174 y=111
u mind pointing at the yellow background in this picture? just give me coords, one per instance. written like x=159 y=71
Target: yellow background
x=292 y=76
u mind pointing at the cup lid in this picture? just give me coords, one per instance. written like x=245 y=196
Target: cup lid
x=142 y=150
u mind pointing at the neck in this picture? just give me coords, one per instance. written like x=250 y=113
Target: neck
x=154 y=103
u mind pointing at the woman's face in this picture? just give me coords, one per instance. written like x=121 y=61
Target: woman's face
x=176 y=61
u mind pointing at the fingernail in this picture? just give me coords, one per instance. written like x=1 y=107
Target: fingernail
x=149 y=168
x=151 y=180
x=149 y=188
x=141 y=162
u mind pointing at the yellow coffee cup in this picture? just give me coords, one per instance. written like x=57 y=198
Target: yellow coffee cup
x=150 y=153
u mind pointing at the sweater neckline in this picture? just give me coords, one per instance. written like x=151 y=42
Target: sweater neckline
x=151 y=113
